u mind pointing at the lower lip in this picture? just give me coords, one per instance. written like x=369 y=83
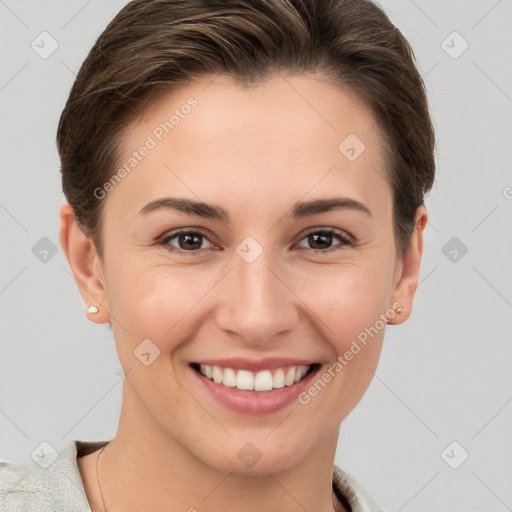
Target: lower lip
x=255 y=402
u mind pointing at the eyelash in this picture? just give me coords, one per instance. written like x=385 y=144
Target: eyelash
x=345 y=240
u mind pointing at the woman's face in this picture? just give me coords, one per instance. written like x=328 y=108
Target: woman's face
x=258 y=287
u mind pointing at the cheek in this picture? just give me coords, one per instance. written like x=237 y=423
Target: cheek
x=348 y=303
x=160 y=303
x=348 y=298
x=352 y=326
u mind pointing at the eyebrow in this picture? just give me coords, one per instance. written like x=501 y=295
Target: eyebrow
x=211 y=211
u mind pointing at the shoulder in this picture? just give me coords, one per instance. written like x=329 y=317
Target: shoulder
x=347 y=488
x=19 y=488
x=51 y=483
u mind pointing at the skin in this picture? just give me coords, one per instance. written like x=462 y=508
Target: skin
x=254 y=152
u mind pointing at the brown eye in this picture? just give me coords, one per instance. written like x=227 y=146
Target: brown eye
x=321 y=240
x=187 y=241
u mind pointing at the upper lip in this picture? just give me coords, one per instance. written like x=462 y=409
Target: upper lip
x=269 y=363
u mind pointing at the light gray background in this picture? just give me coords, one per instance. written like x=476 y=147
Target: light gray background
x=444 y=375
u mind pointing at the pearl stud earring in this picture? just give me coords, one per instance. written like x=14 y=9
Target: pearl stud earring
x=93 y=309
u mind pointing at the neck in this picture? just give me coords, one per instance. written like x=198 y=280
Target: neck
x=133 y=463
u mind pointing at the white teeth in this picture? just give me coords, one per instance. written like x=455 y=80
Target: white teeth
x=279 y=379
x=206 y=370
x=260 y=381
x=244 y=380
x=290 y=376
x=263 y=381
x=217 y=374
x=229 y=378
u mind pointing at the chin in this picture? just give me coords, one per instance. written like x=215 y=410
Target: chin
x=273 y=464
x=254 y=458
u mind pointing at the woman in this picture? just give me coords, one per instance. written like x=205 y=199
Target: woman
x=245 y=185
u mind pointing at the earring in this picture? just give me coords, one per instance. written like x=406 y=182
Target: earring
x=93 y=309
x=398 y=310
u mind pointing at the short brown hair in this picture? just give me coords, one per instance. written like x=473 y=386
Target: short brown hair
x=152 y=45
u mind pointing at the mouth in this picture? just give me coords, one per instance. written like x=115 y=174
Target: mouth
x=265 y=380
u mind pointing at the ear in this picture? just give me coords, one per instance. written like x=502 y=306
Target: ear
x=85 y=264
x=408 y=271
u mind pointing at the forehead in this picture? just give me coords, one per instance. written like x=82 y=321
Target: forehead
x=289 y=135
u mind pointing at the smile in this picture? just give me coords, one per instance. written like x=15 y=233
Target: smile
x=264 y=380
x=253 y=387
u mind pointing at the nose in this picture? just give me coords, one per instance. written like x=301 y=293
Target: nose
x=256 y=302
